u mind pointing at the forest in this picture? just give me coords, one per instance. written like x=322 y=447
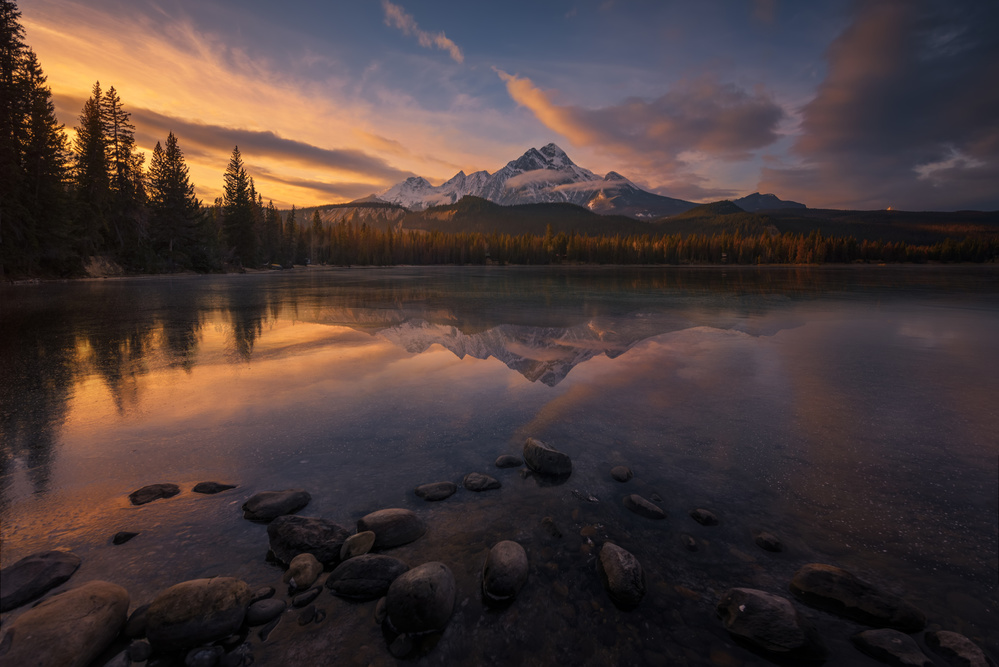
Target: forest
x=65 y=202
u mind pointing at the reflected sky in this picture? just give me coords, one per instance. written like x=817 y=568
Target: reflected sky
x=852 y=411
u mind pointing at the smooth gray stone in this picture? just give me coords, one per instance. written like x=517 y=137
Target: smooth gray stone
x=212 y=487
x=307 y=597
x=769 y=542
x=770 y=622
x=34 y=575
x=151 y=492
x=621 y=473
x=269 y=505
x=67 y=630
x=262 y=611
x=122 y=536
x=365 y=577
x=643 y=507
x=357 y=544
x=197 y=612
x=291 y=535
x=135 y=626
x=436 y=490
x=422 y=599
x=622 y=575
x=836 y=590
x=303 y=570
x=205 y=656
x=704 y=517
x=509 y=461
x=392 y=527
x=546 y=460
x=957 y=649
x=139 y=651
x=475 y=481
x=505 y=571
x=892 y=647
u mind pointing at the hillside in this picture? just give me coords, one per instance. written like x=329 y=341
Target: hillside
x=720 y=217
x=898 y=226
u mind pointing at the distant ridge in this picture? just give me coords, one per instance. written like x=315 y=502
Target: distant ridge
x=767 y=202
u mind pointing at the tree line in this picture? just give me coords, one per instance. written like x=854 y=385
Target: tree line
x=63 y=203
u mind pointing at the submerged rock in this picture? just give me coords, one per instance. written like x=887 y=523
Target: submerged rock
x=357 y=544
x=291 y=535
x=509 y=461
x=643 y=507
x=212 y=487
x=546 y=460
x=34 y=575
x=957 y=649
x=622 y=575
x=704 y=517
x=834 y=589
x=422 y=599
x=769 y=622
x=196 y=612
x=392 y=527
x=67 y=630
x=505 y=571
x=768 y=542
x=365 y=577
x=263 y=611
x=269 y=505
x=303 y=599
x=303 y=570
x=122 y=536
x=135 y=626
x=891 y=646
x=148 y=494
x=436 y=490
x=621 y=473
x=475 y=481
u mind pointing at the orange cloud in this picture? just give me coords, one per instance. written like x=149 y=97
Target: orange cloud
x=397 y=17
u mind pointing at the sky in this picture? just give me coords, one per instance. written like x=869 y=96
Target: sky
x=832 y=103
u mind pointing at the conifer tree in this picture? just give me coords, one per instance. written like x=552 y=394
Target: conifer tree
x=289 y=237
x=174 y=211
x=126 y=222
x=237 y=212
x=90 y=173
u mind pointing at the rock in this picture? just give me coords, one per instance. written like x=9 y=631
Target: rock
x=357 y=544
x=148 y=494
x=546 y=460
x=197 y=612
x=689 y=543
x=139 y=651
x=892 y=647
x=307 y=615
x=957 y=649
x=303 y=570
x=122 y=536
x=269 y=505
x=262 y=593
x=622 y=576
x=769 y=622
x=135 y=626
x=548 y=523
x=839 y=591
x=365 y=577
x=291 y=535
x=120 y=659
x=643 y=507
x=401 y=646
x=262 y=611
x=380 y=611
x=392 y=527
x=621 y=473
x=66 y=630
x=505 y=571
x=205 y=656
x=212 y=487
x=34 y=575
x=436 y=490
x=509 y=461
x=704 y=517
x=769 y=542
x=422 y=599
x=305 y=598
x=475 y=481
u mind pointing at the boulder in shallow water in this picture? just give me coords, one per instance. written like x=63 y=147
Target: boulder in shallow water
x=422 y=599
x=892 y=647
x=365 y=577
x=546 y=460
x=768 y=542
x=505 y=571
x=34 y=575
x=643 y=507
x=476 y=481
x=622 y=575
x=209 y=488
x=269 y=505
x=834 y=589
x=196 y=612
x=392 y=527
x=151 y=492
x=509 y=461
x=621 y=473
x=769 y=622
x=956 y=649
x=436 y=490
x=122 y=536
x=291 y=535
x=303 y=570
x=66 y=630
x=704 y=517
x=357 y=544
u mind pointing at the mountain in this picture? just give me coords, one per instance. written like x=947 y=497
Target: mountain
x=757 y=202
x=539 y=176
x=720 y=217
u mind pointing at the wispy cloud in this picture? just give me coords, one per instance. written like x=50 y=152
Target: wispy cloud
x=396 y=16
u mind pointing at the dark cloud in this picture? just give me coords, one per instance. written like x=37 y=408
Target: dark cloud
x=214 y=140
x=908 y=114
x=336 y=190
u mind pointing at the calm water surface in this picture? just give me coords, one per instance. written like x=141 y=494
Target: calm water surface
x=852 y=411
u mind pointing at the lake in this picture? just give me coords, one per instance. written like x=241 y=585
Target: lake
x=851 y=411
